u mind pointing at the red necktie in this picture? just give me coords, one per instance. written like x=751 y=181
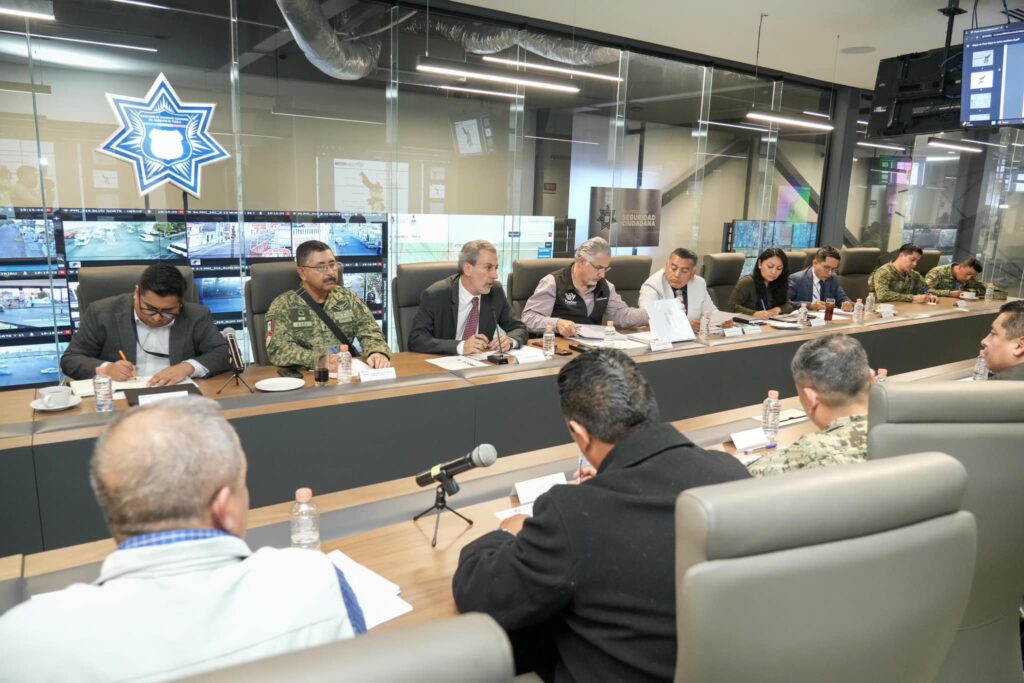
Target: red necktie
x=473 y=321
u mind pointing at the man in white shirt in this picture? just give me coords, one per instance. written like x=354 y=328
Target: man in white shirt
x=183 y=593
x=151 y=332
x=580 y=294
x=679 y=279
x=460 y=314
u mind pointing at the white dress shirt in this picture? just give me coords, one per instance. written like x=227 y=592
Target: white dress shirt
x=158 y=340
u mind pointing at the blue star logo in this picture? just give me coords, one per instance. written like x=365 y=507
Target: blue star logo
x=167 y=140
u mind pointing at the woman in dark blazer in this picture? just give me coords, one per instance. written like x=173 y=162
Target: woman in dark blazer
x=765 y=292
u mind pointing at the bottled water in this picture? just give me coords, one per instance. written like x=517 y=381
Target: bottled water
x=704 y=331
x=869 y=303
x=990 y=292
x=609 y=335
x=103 y=389
x=682 y=304
x=344 y=365
x=980 y=369
x=770 y=417
x=305 y=521
x=858 y=313
x=881 y=376
x=801 y=315
x=549 y=342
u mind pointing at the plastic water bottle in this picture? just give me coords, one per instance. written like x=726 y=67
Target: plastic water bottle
x=990 y=292
x=704 y=331
x=858 y=313
x=549 y=342
x=344 y=365
x=881 y=376
x=869 y=303
x=103 y=390
x=770 y=417
x=609 y=335
x=305 y=521
x=801 y=315
x=682 y=304
x=980 y=372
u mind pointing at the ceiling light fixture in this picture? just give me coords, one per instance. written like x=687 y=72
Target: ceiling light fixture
x=84 y=42
x=818 y=114
x=987 y=144
x=933 y=159
x=30 y=9
x=759 y=129
x=1017 y=144
x=553 y=69
x=575 y=142
x=877 y=145
x=279 y=111
x=788 y=121
x=861 y=122
x=478 y=91
x=946 y=144
x=444 y=67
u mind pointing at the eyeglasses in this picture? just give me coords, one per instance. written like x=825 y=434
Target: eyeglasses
x=599 y=269
x=166 y=315
x=323 y=267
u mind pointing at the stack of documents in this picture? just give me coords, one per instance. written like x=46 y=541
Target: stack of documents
x=377 y=596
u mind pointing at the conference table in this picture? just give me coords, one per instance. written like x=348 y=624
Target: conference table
x=373 y=524
x=344 y=437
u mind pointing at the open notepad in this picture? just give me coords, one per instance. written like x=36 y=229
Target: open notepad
x=83 y=387
x=377 y=596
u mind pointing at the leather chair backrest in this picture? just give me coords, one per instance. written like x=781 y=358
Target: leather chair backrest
x=929 y=260
x=855 y=266
x=722 y=272
x=409 y=282
x=99 y=282
x=797 y=261
x=267 y=281
x=525 y=275
x=828 y=574
x=470 y=648
x=982 y=425
x=628 y=274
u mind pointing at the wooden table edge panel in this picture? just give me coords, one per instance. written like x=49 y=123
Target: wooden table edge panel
x=11 y=567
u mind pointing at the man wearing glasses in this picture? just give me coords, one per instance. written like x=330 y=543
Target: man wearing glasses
x=580 y=294
x=321 y=314
x=151 y=332
x=817 y=282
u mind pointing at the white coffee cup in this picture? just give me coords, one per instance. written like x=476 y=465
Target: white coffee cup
x=968 y=295
x=55 y=397
x=886 y=310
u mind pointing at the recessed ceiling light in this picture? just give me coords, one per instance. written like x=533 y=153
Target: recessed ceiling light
x=445 y=67
x=950 y=144
x=788 y=121
x=552 y=69
x=876 y=145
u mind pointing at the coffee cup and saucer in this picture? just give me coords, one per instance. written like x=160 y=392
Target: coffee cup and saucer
x=54 y=399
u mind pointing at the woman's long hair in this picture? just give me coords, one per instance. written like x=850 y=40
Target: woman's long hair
x=774 y=293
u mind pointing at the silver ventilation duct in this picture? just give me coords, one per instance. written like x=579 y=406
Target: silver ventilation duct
x=344 y=60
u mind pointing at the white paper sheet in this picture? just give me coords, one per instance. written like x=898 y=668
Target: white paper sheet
x=512 y=512
x=749 y=438
x=527 y=354
x=377 y=596
x=456 y=362
x=529 y=490
x=668 y=322
x=83 y=387
x=591 y=331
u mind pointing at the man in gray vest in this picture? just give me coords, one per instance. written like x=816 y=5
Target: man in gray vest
x=580 y=294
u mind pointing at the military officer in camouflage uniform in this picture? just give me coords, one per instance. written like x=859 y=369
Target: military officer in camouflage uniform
x=954 y=279
x=898 y=281
x=832 y=378
x=294 y=330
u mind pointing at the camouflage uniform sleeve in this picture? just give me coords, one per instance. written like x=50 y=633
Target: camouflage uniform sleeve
x=939 y=281
x=882 y=280
x=779 y=461
x=357 y=322
x=286 y=344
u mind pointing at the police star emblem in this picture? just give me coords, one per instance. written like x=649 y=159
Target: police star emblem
x=165 y=139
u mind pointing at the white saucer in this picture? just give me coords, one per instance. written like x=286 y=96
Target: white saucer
x=280 y=384
x=38 y=405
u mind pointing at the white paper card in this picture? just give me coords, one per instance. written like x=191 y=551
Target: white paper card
x=752 y=329
x=377 y=374
x=591 y=331
x=749 y=438
x=818 y=322
x=734 y=331
x=456 y=362
x=660 y=345
x=668 y=322
x=531 y=489
x=527 y=354
x=145 y=399
x=512 y=512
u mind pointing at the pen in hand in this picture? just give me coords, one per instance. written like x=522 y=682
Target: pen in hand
x=120 y=352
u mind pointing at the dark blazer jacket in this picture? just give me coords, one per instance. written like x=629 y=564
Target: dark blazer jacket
x=801 y=288
x=106 y=327
x=433 y=327
x=595 y=565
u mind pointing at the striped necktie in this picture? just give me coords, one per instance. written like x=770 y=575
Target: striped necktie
x=473 y=321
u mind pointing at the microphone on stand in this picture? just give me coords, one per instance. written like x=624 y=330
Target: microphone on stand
x=236 y=360
x=499 y=358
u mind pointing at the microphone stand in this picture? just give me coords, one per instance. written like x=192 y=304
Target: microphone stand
x=499 y=358
x=237 y=376
x=447 y=486
x=237 y=363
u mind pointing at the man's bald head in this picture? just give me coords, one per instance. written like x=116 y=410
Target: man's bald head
x=162 y=467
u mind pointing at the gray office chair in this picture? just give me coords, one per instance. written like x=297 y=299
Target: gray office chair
x=722 y=272
x=929 y=260
x=855 y=267
x=525 y=275
x=99 y=282
x=797 y=261
x=409 y=282
x=982 y=425
x=628 y=274
x=471 y=648
x=847 y=573
x=267 y=281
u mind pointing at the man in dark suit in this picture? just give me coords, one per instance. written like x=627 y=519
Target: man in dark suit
x=457 y=314
x=817 y=282
x=586 y=586
x=159 y=335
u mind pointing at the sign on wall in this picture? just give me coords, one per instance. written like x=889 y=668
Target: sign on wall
x=165 y=139
x=625 y=217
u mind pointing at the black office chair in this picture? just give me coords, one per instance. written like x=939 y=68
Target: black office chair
x=525 y=275
x=100 y=282
x=628 y=274
x=722 y=272
x=855 y=267
x=409 y=282
x=267 y=282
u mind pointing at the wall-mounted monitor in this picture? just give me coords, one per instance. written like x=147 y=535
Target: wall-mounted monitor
x=993 y=76
x=473 y=135
x=122 y=235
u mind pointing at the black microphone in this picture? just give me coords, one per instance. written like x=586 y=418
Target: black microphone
x=499 y=358
x=483 y=455
x=234 y=352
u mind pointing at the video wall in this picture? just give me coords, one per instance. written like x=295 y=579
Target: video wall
x=750 y=238
x=38 y=314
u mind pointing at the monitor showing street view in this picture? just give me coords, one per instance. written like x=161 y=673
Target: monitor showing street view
x=31 y=304
x=30 y=363
x=220 y=294
x=25 y=239
x=105 y=240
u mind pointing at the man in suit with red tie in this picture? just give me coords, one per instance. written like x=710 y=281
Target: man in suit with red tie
x=457 y=315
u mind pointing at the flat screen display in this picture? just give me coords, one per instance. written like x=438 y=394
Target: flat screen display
x=993 y=76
